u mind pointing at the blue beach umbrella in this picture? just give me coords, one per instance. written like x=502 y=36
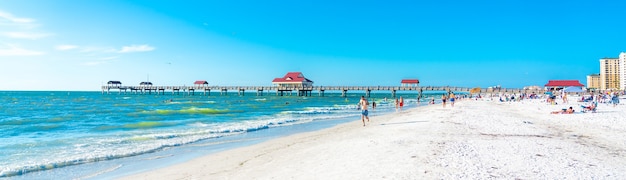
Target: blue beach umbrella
x=573 y=89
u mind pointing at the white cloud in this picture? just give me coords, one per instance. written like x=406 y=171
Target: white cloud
x=17 y=51
x=136 y=48
x=26 y=35
x=65 y=47
x=109 y=58
x=94 y=63
x=11 y=18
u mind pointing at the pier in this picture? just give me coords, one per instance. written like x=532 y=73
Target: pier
x=299 y=91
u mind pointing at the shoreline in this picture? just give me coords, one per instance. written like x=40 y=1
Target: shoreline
x=519 y=139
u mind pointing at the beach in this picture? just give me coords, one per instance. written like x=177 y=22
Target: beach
x=476 y=139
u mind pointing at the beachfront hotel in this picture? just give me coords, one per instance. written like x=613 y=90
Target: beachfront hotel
x=609 y=73
x=593 y=81
x=622 y=71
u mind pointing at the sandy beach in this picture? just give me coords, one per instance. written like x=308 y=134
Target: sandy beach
x=476 y=139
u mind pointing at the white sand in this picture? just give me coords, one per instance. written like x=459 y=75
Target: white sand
x=473 y=140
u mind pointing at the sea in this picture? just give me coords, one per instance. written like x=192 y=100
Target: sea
x=95 y=135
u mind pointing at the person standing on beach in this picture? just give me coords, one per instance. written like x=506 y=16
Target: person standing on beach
x=452 y=99
x=363 y=102
x=401 y=102
x=443 y=100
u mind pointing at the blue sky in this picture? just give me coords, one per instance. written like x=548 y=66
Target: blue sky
x=79 y=45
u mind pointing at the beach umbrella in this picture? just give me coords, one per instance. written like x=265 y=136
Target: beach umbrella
x=573 y=89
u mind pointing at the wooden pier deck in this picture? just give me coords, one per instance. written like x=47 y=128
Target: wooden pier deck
x=301 y=91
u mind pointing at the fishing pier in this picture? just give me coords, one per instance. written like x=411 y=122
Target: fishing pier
x=296 y=82
x=299 y=91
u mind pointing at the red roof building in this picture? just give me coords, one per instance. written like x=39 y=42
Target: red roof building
x=560 y=84
x=200 y=83
x=409 y=82
x=293 y=79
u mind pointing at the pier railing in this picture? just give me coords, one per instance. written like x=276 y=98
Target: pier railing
x=303 y=91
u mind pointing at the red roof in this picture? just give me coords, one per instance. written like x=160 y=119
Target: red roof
x=410 y=81
x=201 y=82
x=292 y=77
x=563 y=83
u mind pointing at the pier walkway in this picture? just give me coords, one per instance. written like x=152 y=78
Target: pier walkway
x=301 y=91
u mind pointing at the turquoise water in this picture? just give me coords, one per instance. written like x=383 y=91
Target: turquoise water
x=43 y=131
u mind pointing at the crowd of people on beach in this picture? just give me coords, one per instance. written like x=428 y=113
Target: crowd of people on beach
x=550 y=98
x=590 y=101
x=399 y=104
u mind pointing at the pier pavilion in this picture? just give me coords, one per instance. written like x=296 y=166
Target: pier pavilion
x=114 y=83
x=410 y=82
x=293 y=80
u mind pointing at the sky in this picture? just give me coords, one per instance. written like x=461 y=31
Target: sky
x=81 y=45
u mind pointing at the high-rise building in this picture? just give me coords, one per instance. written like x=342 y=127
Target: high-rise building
x=622 y=71
x=609 y=73
x=593 y=81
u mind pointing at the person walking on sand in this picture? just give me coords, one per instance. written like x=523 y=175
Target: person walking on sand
x=443 y=100
x=452 y=99
x=363 y=102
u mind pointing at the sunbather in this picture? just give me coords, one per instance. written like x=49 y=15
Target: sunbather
x=564 y=111
x=591 y=107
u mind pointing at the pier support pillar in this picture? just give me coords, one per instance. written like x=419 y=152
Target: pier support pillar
x=393 y=93
x=367 y=93
x=343 y=93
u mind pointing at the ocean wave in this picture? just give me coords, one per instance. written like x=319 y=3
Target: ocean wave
x=149 y=143
x=115 y=153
